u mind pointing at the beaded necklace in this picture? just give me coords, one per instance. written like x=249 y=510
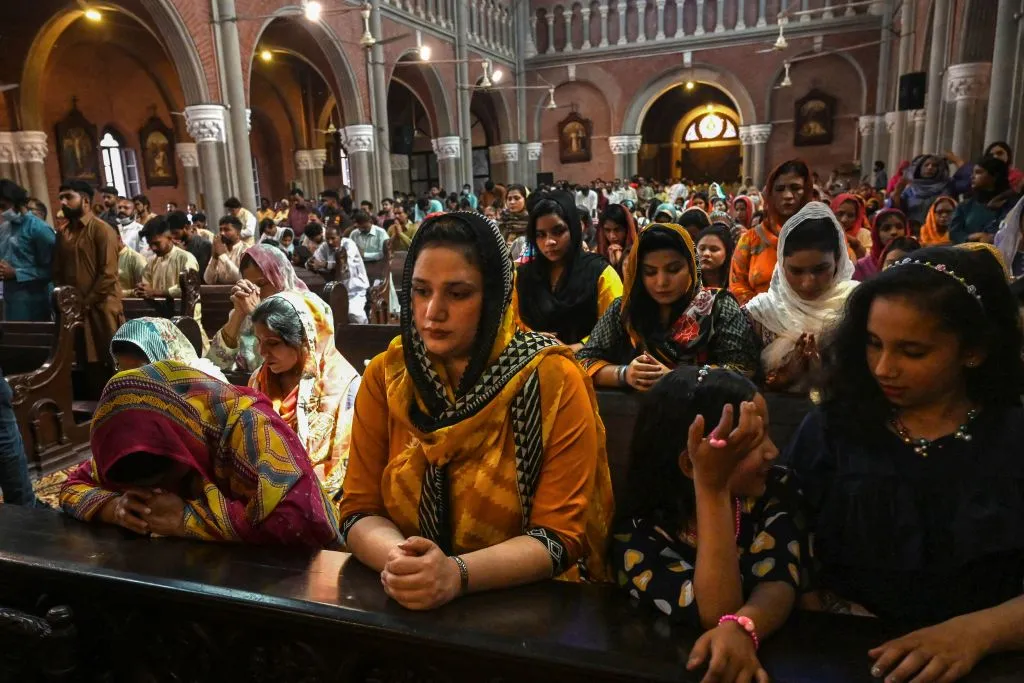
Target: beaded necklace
x=691 y=536
x=921 y=446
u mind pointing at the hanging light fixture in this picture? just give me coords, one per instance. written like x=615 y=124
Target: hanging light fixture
x=312 y=9
x=485 y=81
x=780 y=42
x=266 y=55
x=786 y=82
x=551 y=99
x=367 y=39
x=93 y=14
x=497 y=75
x=690 y=85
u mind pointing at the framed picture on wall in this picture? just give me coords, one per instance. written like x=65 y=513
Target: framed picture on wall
x=77 y=147
x=157 y=142
x=814 y=119
x=332 y=144
x=574 y=133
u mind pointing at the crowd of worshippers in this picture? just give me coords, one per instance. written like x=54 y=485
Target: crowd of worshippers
x=470 y=455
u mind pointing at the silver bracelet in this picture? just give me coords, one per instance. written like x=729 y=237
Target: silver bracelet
x=622 y=375
x=463 y=574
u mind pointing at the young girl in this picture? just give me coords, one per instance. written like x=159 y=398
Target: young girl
x=911 y=466
x=714 y=250
x=887 y=225
x=716 y=484
x=616 y=235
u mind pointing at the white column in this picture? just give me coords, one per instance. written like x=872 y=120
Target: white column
x=585 y=15
x=534 y=151
x=317 y=172
x=621 y=14
x=8 y=156
x=720 y=16
x=866 y=126
x=358 y=142
x=679 y=20
x=936 y=63
x=894 y=126
x=531 y=37
x=966 y=86
x=567 y=22
x=849 y=10
x=550 y=19
x=503 y=160
x=700 y=18
x=188 y=155
x=761 y=14
x=449 y=157
x=997 y=124
x=641 y=25
x=625 y=149
x=303 y=169
x=400 y=172
x=827 y=14
x=603 y=9
x=747 y=141
x=32 y=150
x=918 y=117
x=233 y=87
x=206 y=125
x=759 y=134
x=660 y=7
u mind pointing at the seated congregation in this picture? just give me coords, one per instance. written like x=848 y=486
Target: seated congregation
x=471 y=454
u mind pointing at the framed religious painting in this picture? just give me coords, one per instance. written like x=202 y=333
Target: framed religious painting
x=814 y=119
x=574 y=134
x=157 y=142
x=77 y=148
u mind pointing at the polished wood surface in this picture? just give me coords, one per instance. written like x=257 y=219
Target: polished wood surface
x=321 y=616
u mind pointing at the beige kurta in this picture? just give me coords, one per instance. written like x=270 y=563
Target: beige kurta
x=162 y=274
x=223 y=269
x=131 y=266
x=85 y=257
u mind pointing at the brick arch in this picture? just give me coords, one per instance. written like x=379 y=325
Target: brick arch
x=777 y=76
x=343 y=82
x=438 y=108
x=720 y=78
x=169 y=32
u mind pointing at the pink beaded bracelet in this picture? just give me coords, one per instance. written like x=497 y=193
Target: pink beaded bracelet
x=747 y=624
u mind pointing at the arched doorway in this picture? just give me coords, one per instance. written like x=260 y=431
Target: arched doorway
x=691 y=131
x=411 y=133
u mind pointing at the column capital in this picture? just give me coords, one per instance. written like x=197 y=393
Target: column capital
x=759 y=132
x=304 y=159
x=32 y=146
x=399 y=162
x=502 y=154
x=447 y=147
x=358 y=138
x=188 y=154
x=918 y=115
x=968 y=81
x=206 y=122
x=891 y=118
x=8 y=150
x=624 y=144
x=866 y=124
x=319 y=158
x=534 y=150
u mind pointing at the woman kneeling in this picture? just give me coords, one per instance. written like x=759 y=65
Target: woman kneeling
x=478 y=459
x=178 y=453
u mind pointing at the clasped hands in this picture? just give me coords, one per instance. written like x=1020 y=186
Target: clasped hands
x=245 y=296
x=147 y=511
x=419 y=576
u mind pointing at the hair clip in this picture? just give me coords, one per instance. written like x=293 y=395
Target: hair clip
x=702 y=373
x=945 y=270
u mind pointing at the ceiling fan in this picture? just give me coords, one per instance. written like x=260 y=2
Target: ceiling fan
x=785 y=82
x=780 y=43
x=4 y=87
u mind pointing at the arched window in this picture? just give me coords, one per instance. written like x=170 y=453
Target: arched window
x=120 y=167
x=711 y=127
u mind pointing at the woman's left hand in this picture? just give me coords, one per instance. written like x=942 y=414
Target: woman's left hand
x=420 y=576
x=945 y=652
x=732 y=654
x=167 y=516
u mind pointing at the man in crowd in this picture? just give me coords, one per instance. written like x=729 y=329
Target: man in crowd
x=108 y=212
x=26 y=255
x=131 y=266
x=492 y=193
x=386 y=213
x=185 y=236
x=401 y=231
x=357 y=282
x=86 y=258
x=227 y=254
x=246 y=217
x=588 y=198
x=298 y=212
x=162 y=276
x=368 y=237
x=200 y=229
x=143 y=210
x=330 y=209
x=128 y=227
x=36 y=206
x=266 y=210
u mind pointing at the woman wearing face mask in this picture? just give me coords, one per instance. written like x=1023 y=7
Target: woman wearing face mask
x=911 y=466
x=977 y=218
x=563 y=291
x=616 y=235
x=462 y=398
x=887 y=225
x=666 y=318
x=849 y=210
x=809 y=289
x=26 y=249
x=714 y=253
x=935 y=231
x=787 y=189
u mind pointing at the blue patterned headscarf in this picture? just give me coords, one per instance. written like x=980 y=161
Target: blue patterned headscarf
x=143 y=334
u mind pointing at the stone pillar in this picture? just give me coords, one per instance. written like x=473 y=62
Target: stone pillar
x=567 y=25
x=720 y=17
x=761 y=14
x=206 y=124
x=660 y=9
x=882 y=92
x=400 y=173
x=966 y=86
x=679 y=21
x=465 y=168
x=549 y=17
x=700 y=19
x=531 y=40
x=358 y=142
x=625 y=148
x=31 y=151
x=585 y=16
x=380 y=97
x=188 y=155
x=620 y=13
x=894 y=126
x=866 y=125
x=747 y=141
x=997 y=123
x=759 y=134
x=449 y=155
x=534 y=151
x=234 y=90
x=603 y=9
x=741 y=12
x=918 y=118
x=303 y=167
x=503 y=162
x=316 y=173
x=936 y=63
x=8 y=156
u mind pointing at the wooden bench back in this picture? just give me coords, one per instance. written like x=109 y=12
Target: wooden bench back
x=168 y=307
x=380 y=295
x=25 y=346
x=358 y=343
x=217 y=305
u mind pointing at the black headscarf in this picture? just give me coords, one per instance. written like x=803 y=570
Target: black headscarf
x=1000 y=171
x=570 y=310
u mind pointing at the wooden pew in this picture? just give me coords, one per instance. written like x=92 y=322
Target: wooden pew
x=358 y=343
x=230 y=612
x=216 y=302
x=43 y=397
x=379 y=296
x=190 y=328
x=168 y=307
